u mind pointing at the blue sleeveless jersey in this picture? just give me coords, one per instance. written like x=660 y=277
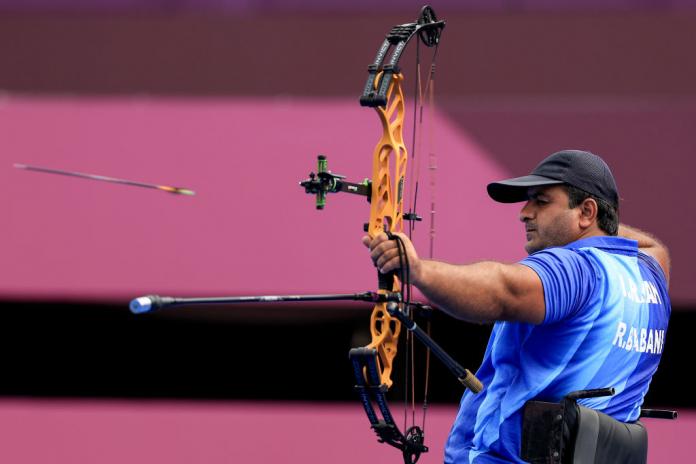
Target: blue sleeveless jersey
x=607 y=310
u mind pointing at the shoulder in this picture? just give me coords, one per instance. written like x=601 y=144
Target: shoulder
x=562 y=259
x=569 y=278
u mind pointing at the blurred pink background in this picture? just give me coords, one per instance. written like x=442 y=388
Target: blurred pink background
x=86 y=432
x=235 y=99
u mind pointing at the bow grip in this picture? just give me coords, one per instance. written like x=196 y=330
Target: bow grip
x=386 y=281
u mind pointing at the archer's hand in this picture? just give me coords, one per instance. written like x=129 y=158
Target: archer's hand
x=385 y=254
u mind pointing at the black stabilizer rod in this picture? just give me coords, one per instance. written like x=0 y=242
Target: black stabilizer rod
x=149 y=303
x=464 y=376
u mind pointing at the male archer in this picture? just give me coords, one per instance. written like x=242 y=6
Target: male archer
x=588 y=308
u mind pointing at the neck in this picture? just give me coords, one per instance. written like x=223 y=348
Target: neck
x=592 y=231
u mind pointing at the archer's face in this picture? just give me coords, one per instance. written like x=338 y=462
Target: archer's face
x=548 y=220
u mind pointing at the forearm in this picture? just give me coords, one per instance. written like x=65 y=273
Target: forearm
x=481 y=292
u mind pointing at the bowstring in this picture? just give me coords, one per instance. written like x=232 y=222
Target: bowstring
x=432 y=168
x=416 y=145
x=409 y=378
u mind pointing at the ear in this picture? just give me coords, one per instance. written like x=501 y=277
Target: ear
x=588 y=213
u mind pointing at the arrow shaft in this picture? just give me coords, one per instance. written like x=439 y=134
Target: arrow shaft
x=114 y=180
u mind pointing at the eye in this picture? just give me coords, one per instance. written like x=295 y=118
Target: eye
x=539 y=198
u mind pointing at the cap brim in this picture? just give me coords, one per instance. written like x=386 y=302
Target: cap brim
x=515 y=190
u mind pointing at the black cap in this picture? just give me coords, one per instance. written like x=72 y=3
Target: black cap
x=580 y=169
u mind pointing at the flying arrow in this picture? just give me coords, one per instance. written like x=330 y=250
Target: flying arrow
x=166 y=188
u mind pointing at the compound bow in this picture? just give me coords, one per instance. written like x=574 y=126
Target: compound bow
x=373 y=364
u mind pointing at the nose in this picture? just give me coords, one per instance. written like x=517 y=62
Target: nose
x=527 y=212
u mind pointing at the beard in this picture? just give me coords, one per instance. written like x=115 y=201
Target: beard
x=553 y=235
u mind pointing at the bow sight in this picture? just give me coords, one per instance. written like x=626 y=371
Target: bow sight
x=324 y=181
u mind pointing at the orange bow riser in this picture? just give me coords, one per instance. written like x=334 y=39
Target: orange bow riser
x=386 y=214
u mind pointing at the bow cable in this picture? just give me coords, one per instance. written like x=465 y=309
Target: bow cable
x=416 y=148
